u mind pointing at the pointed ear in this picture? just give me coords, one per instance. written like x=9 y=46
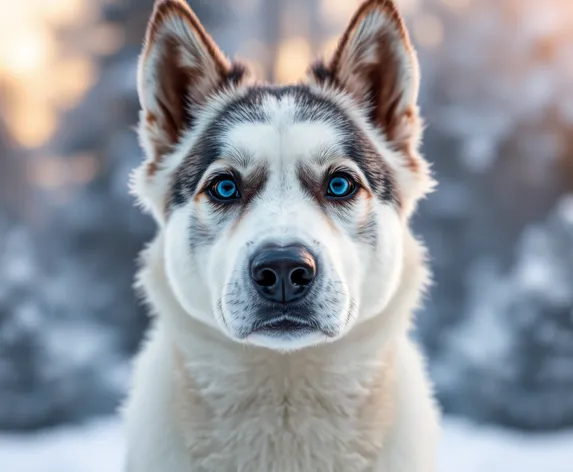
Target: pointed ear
x=179 y=68
x=376 y=63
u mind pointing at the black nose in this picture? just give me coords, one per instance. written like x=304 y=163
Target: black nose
x=283 y=274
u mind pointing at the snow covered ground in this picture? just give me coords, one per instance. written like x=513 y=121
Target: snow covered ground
x=98 y=447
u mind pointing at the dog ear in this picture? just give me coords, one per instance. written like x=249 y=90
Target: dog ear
x=180 y=67
x=376 y=63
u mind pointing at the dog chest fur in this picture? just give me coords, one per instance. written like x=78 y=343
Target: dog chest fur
x=284 y=273
x=202 y=404
x=283 y=414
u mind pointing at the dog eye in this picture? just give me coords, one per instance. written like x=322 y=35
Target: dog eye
x=341 y=186
x=224 y=189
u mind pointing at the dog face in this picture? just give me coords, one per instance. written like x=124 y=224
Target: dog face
x=283 y=209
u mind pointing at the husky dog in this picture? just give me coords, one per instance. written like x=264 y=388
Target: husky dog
x=284 y=274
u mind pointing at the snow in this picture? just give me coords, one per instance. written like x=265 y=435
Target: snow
x=469 y=448
x=92 y=447
x=465 y=447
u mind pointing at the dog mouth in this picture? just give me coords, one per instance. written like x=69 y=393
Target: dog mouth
x=285 y=325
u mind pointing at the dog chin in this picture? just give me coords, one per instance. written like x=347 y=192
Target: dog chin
x=284 y=332
x=286 y=341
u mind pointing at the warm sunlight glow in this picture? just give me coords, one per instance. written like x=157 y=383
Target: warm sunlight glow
x=63 y=11
x=106 y=39
x=38 y=75
x=25 y=53
x=52 y=172
x=47 y=172
x=294 y=56
x=428 y=30
x=337 y=11
x=71 y=80
x=32 y=129
x=408 y=7
x=329 y=46
x=83 y=168
x=457 y=5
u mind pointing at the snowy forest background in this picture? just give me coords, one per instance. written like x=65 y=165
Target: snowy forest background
x=498 y=100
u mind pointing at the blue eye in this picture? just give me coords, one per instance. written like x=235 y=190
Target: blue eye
x=225 y=189
x=340 y=187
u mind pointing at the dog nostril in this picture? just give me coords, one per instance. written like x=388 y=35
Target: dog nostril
x=301 y=277
x=283 y=274
x=267 y=278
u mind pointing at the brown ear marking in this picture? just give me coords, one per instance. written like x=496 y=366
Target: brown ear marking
x=151 y=169
x=323 y=73
x=407 y=147
x=150 y=118
x=233 y=72
x=333 y=71
x=178 y=88
x=164 y=10
x=382 y=79
x=391 y=12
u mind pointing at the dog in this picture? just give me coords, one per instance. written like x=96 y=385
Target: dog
x=284 y=273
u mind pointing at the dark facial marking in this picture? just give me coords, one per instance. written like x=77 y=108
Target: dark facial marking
x=354 y=142
x=209 y=147
x=203 y=233
x=317 y=185
x=253 y=184
x=368 y=231
x=200 y=234
x=249 y=108
x=312 y=184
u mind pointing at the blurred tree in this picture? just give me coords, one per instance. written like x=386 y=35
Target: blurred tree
x=498 y=98
x=68 y=316
x=69 y=320
x=498 y=101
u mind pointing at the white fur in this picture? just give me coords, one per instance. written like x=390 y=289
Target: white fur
x=354 y=397
x=203 y=403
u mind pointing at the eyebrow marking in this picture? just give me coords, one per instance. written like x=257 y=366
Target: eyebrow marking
x=250 y=108
x=326 y=154
x=240 y=157
x=252 y=186
x=254 y=183
x=311 y=183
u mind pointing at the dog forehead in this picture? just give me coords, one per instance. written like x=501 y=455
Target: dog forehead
x=276 y=128
x=283 y=123
x=280 y=141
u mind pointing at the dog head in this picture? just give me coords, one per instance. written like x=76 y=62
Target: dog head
x=282 y=209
